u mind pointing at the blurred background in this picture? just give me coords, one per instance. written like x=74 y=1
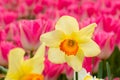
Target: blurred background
x=23 y=21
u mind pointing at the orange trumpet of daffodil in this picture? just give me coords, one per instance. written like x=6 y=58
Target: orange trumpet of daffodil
x=21 y=69
x=69 y=44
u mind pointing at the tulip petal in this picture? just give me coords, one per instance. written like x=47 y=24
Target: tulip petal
x=15 y=59
x=87 y=31
x=53 y=39
x=55 y=55
x=75 y=61
x=35 y=64
x=90 y=48
x=67 y=24
x=24 y=41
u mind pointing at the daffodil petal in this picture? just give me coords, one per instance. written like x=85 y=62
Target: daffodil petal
x=67 y=24
x=53 y=39
x=15 y=59
x=87 y=31
x=75 y=61
x=40 y=51
x=32 y=66
x=90 y=48
x=35 y=64
x=55 y=55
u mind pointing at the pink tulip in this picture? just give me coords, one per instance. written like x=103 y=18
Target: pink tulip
x=96 y=61
x=5 y=47
x=29 y=2
x=49 y=3
x=109 y=24
x=116 y=79
x=106 y=41
x=30 y=31
x=118 y=38
x=9 y=17
x=2 y=10
x=13 y=33
x=38 y=8
x=87 y=64
x=64 y=3
x=2 y=35
x=22 y=10
x=53 y=71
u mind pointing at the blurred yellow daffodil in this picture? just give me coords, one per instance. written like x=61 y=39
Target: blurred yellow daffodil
x=30 y=69
x=69 y=44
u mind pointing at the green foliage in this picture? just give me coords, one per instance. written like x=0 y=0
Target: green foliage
x=114 y=62
x=111 y=67
x=100 y=70
x=62 y=77
x=108 y=71
x=3 y=70
x=1 y=78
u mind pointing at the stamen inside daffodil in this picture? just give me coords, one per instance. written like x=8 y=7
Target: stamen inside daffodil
x=88 y=77
x=33 y=77
x=69 y=46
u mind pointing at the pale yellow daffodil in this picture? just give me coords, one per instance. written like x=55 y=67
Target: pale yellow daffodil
x=30 y=69
x=69 y=44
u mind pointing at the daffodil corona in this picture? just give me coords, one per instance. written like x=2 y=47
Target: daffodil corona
x=69 y=44
x=30 y=69
x=33 y=77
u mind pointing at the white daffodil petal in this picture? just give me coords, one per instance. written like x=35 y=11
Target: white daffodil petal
x=75 y=61
x=90 y=48
x=67 y=24
x=55 y=55
x=82 y=74
x=53 y=39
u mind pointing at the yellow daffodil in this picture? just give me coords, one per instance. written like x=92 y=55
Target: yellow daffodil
x=69 y=44
x=30 y=69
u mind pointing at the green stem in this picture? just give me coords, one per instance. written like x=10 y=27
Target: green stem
x=76 y=75
x=108 y=71
x=100 y=70
x=1 y=78
x=31 y=54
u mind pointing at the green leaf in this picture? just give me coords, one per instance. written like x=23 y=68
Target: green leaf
x=3 y=70
x=76 y=75
x=100 y=70
x=114 y=62
x=108 y=71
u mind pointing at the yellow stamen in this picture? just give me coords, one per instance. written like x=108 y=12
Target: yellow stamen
x=69 y=46
x=33 y=77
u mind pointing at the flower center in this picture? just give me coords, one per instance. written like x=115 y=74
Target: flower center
x=69 y=46
x=33 y=77
x=88 y=77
